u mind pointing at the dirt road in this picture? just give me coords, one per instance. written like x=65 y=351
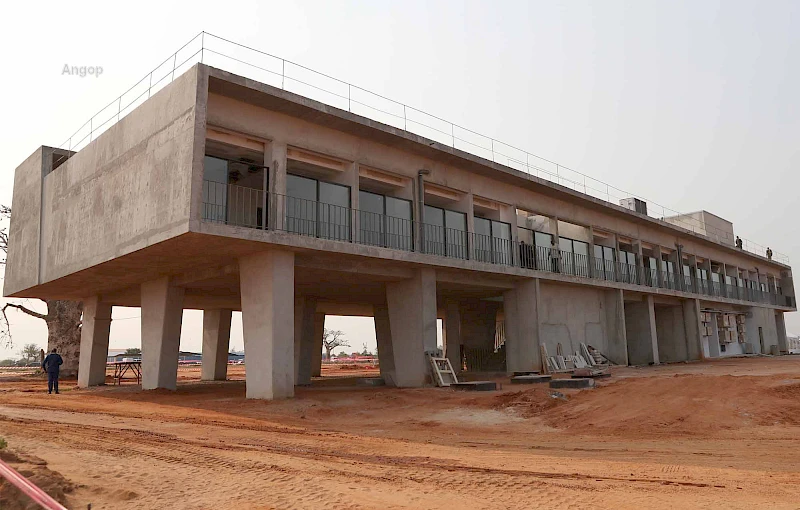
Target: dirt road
x=713 y=435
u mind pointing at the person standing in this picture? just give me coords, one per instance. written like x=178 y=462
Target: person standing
x=51 y=365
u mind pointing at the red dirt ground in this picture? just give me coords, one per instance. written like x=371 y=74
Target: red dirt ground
x=720 y=434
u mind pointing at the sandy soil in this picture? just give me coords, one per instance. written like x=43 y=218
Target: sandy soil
x=721 y=434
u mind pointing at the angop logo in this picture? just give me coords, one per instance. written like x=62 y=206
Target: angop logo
x=82 y=71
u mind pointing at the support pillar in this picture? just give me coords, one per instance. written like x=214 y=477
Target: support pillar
x=616 y=335
x=412 y=321
x=316 y=354
x=452 y=334
x=162 y=313
x=304 y=310
x=521 y=309
x=94 y=342
x=383 y=335
x=216 y=342
x=640 y=327
x=267 y=287
x=694 y=329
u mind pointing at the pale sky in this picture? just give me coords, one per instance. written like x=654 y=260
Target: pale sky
x=690 y=104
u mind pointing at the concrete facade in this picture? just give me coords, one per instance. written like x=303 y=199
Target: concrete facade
x=317 y=211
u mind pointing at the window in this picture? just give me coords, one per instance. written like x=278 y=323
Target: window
x=492 y=241
x=627 y=266
x=574 y=256
x=316 y=208
x=604 y=262
x=445 y=232
x=215 y=189
x=384 y=221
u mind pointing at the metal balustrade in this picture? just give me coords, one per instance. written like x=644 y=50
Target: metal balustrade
x=245 y=207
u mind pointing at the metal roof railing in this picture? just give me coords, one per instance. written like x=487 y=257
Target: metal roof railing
x=251 y=63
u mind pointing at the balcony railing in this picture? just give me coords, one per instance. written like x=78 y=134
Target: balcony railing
x=245 y=207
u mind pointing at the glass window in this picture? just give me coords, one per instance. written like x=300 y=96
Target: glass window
x=433 y=230
x=301 y=205
x=370 y=218
x=544 y=243
x=501 y=239
x=483 y=240
x=398 y=224
x=215 y=189
x=334 y=211
x=456 y=233
x=581 y=257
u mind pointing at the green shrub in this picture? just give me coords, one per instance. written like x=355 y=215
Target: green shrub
x=3 y=443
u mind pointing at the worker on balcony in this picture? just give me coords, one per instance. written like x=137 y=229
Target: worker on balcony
x=769 y=253
x=51 y=365
x=739 y=242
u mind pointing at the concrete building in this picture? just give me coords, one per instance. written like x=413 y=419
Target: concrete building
x=220 y=193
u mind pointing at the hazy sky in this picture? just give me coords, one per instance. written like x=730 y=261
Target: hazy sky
x=690 y=104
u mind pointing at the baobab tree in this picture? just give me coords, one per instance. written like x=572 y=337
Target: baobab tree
x=332 y=339
x=63 y=318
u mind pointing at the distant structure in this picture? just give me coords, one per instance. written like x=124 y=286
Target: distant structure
x=221 y=193
x=706 y=224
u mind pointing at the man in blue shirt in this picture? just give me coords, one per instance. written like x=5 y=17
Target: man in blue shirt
x=51 y=365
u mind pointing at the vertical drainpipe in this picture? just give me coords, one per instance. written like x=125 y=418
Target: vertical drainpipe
x=421 y=208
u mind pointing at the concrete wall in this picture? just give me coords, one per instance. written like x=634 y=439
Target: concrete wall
x=127 y=189
x=22 y=267
x=672 y=344
x=573 y=315
x=765 y=319
x=640 y=330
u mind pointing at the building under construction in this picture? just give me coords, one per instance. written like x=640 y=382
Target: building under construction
x=224 y=194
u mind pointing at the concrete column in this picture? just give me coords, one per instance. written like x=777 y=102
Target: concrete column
x=590 y=262
x=304 y=310
x=95 y=330
x=383 y=335
x=713 y=340
x=694 y=329
x=452 y=334
x=659 y=264
x=614 y=305
x=521 y=309
x=216 y=341
x=637 y=248
x=267 y=286
x=162 y=313
x=316 y=354
x=640 y=326
x=412 y=320
x=275 y=159
x=780 y=325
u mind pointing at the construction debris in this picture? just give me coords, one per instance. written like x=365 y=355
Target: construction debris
x=442 y=371
x=474 y=386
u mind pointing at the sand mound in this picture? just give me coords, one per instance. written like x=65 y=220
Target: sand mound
x=685 y=405
x=35 y=470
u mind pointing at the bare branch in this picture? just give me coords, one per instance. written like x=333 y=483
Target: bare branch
x=26 y=310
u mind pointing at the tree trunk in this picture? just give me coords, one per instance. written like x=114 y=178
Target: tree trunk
x=64 y=333
x=328 y=352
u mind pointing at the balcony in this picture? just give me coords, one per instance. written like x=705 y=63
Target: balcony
x=244 y=207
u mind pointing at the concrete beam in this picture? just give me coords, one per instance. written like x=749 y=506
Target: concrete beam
x=162 y=313
x=216 y=342
x=521 y=309
x=267 y=286
x=412 y=320
x=95 y=331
